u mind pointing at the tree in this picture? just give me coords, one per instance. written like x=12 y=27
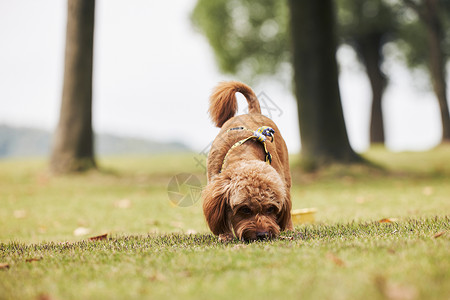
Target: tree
x=323 y=133
x=73 y=141
x=434 y=15
x=251 y=38
x=367 y=25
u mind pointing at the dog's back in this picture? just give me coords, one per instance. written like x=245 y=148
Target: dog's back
x=223 y=107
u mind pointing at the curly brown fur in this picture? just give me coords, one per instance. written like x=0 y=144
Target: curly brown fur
x=249 y=198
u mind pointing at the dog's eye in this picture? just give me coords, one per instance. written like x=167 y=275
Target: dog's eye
x=272 y=209
x=245 y=210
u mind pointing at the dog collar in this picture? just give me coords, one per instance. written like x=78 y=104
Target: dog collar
x=261 y=134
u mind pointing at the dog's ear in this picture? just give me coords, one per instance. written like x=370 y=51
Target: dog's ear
x=215 y=205
x=284 y=219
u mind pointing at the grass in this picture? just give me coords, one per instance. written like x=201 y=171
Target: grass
x=156 y=250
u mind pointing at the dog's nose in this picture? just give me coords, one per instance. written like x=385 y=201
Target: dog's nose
x=262 y=235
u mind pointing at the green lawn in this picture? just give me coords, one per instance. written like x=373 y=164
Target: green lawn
x=157 y=250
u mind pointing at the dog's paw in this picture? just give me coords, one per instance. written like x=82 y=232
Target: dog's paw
x=226 y=237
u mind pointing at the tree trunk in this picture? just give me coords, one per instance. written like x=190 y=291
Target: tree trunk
x=73 y=142
x=437 y=62
x=369 y=49
x=322 y=126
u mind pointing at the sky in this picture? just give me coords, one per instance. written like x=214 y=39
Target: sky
x=153 y=74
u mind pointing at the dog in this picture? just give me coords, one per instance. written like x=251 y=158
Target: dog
x=249 y=181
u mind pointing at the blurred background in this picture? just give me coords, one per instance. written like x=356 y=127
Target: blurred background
x=154 y=70
x=124 y=85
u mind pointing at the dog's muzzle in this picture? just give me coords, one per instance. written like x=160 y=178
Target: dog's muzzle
x=262 y=235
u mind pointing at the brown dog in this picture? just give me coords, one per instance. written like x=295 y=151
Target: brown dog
x=249 y=182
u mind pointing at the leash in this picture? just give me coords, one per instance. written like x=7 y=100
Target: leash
x=261 y=134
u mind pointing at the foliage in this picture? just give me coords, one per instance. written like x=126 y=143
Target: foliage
x=412 y=43
x=248 y=38
x=413 y=36
x=363 y=17
x=251 y=39
x=359 y=20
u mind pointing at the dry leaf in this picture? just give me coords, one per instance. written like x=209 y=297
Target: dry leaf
x=388 y=220
x=157 y=277
x=81 y=231
x=395 y=291
x=124 y=203
x=20 y=214
x=4 y=266
x=177 y=224
x=360 y=200
x=401 y=292
x=43 y=179
x=439 y=234
x=336 y=260
x=44 y=297
x=99 y=237
x=385 y=221
x=427 y=191
x=186 y=273
x=28 y=260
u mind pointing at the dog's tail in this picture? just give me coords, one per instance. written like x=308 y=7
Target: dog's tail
x=223 y=102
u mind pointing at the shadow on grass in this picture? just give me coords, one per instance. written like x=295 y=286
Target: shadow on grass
x=380 y=163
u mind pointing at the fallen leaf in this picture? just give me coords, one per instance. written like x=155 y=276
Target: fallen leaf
x=289 y=238
x=28 y=260
x=153 y=222
x=43 y=179
x=20 y=214
x=81 y=231
x=157 y=277
x=360 y=200
x=4 y=266
x=388 y=220
x=401 y=292
x=186 y=273
x=427 y=191
x=177 y=224
x=99 y=237
x=393 y=291
x=336 y=260
x=124 y=203
x=439 y=234
x=44 y=297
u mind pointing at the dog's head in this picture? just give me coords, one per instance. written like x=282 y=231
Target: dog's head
x=248 y=198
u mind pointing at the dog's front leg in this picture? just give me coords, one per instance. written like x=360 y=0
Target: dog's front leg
x=226 y=237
